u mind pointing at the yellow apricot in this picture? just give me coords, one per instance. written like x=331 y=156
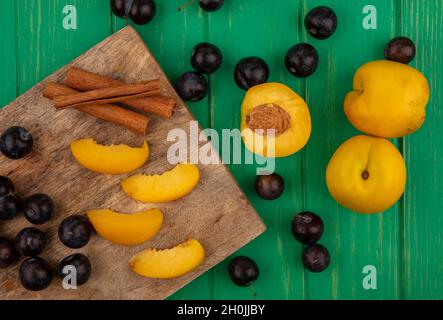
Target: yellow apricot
x=388 y=100
x=169 y=186
x=168 y=263
x=126 y=229
x=116 y=159
x=366 y=174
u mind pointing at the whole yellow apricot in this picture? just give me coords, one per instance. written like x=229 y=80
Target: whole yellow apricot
x=169 y=263
x=126 y=229
x=169 y=186
x=274 y=106
x=116 y=159
x=389 y=99
x=366 y=174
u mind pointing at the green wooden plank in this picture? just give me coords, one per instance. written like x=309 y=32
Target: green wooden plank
x=44 y=45
x=353 y=240
x=259 y=28
x=171 y=37
x=392 y=242
x=423 y=222
x=8 y=65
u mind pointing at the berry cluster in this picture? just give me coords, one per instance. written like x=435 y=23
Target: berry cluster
x=35 y=273
x=206 y=58
x=307 y=228
x=302 y=59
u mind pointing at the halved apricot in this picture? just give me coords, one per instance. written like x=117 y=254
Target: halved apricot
x=275 y=120
x=169 y=186
x=116 y=159
x=126 y=229
x=169 y=263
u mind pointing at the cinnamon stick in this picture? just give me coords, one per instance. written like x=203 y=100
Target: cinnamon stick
x=84 y=80
x=108 y=95
x=131 y=120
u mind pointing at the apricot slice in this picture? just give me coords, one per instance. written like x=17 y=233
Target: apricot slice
x=169 y=186
x=126 y=229
x=274 y=106
x=168 y=263
x=116 y=159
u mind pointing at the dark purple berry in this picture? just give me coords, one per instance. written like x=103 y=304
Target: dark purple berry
x=321 y=22
x=38 y=208
x=142 y=11
x=210 y=5
x=16 y=143
x=192 y=86
x=315 y=258
x=243 y=271
x=30 y=242
x=250 y=72
x=269 y=187
x=6 y=186
x=206 y=58
x=35 y=274
x=401 y=50
x=10 y=207
x=302 y=60
x=75 y=231
x=81 y=264
x=8 y=255
x=307 y=227
x=120 y=7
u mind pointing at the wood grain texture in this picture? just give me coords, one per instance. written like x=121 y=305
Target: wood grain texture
x=423 y=203
x=8 y=53
x=44 y=45
x=216 y=212
x=405 y=243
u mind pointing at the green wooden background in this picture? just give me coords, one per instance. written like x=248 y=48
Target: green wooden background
x=405 y=244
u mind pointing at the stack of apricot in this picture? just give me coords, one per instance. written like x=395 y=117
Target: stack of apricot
x=367 y=173
x=137 y=228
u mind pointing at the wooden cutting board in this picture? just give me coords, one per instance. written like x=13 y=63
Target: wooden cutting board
x=217 y=213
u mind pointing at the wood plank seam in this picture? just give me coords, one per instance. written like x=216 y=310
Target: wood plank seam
x=16 y=17
x=207 y=32
x=302 y=10
x=401 y=204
